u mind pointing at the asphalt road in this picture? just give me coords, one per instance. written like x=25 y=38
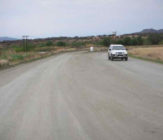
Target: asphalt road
x=82 y=96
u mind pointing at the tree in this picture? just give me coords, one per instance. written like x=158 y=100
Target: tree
x=49 y=43
x=134 y=41
x=61 y=43
x=106 y=41
x=154 y=39
x=127 y=41
x=139 y=40
x=78 y=44
x=119 y=41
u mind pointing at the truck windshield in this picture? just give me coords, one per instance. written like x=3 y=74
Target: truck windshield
x=118 y=48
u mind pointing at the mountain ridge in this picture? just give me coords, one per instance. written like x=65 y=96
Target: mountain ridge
x=144 y=31
x=151 y=31
x=5 y=38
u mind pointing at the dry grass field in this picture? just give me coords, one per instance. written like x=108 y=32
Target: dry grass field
x=154 y=53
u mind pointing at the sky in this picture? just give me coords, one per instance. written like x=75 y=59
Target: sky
x=53 y=18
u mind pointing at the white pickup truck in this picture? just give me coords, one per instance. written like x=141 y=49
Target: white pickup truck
x=117 y=51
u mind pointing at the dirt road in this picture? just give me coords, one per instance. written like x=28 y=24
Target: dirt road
x=82 y=96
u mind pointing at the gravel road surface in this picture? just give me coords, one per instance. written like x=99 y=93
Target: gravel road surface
x=82 y=96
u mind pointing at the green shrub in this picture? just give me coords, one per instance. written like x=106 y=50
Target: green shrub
x=119 y=41
x=128 y=41
x=161 y=42
x=41 y=45
x=29 y=47
x=139 y=40
x=3 y=56
x=146 y=42
x=155 y=38
x=18 y=48
x=78 y=44
x=49 y=43
x=17 y=57
x=106 y=41
x=61 y=43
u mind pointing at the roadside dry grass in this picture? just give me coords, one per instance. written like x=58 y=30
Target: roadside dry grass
x=154 y=53
x=10 y=57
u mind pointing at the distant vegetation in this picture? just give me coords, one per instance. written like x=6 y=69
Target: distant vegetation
x=49 y=43
x=152 y=39
x=105 y=40
x=61 y=43
x=16 y=51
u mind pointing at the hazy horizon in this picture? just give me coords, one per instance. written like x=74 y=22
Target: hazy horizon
x=52 y=18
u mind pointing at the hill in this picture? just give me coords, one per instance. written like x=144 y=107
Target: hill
x=7 y=39
x=151 y=31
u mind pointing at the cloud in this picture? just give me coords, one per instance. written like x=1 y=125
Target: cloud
x=40 y=18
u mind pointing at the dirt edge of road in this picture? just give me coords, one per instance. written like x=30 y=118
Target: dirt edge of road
x=7 y=65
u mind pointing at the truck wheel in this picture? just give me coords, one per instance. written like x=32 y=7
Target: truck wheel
x=126 y=59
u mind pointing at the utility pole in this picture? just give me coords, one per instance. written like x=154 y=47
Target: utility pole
x=114 y=33
x=25 y=37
